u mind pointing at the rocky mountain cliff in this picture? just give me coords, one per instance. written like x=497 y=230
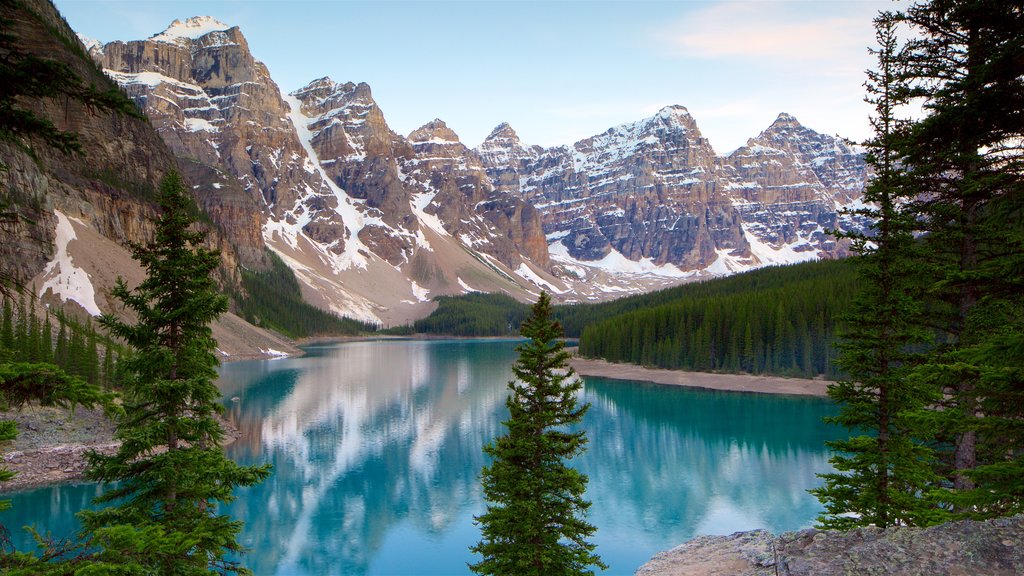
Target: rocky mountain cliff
x=653 y=197
x=77 y=212
x=373 y=224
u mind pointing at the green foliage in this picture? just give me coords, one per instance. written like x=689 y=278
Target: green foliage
x=170 y=468
x=936 y=349
x=778 y=320
x=880 y=477
x=273 y=300
x=965 y=63
x=533 y=524
x=475 y=314
x=77 y=348
x=771 y=321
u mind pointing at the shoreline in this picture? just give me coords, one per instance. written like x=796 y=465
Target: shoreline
x=749 y=383
x=52 y=442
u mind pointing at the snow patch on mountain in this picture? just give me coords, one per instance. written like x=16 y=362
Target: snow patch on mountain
x=62 y=277
x=353 y=220
x=614 y=262
x=191 y=29
x=526 y=272
x=90 y=43
x=767 y=254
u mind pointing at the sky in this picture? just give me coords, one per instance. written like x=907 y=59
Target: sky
x=557 y=72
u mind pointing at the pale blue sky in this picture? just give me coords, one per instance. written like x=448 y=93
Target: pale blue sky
x=556 y=71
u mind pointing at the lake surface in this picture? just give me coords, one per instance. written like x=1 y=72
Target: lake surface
x=376 y=448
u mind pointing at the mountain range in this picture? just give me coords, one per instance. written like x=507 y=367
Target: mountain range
x=375 y=224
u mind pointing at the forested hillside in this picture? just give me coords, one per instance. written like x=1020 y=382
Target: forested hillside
x=475 y=314
x=772 y=321
x=32 y=335
x=273 y=300
x=778 y=320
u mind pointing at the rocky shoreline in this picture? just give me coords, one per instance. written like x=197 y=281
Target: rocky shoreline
x=990 y=548
x=706 y=380
x=52 y=442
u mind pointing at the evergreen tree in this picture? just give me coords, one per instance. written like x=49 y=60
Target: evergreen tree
x=60 y=350
x=533 y=524
x=881 y=476
x=108 y=366
x=21 y=330
x=170 y=469
x=7 y=327
x=46 y=349
x=965 y=64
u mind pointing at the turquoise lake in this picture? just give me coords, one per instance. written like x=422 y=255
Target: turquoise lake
x=376 y=448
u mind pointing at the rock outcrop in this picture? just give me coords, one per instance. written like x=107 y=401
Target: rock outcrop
x=993 y=547
x=77 y=213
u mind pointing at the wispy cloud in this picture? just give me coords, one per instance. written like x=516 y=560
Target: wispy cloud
x=763 y=30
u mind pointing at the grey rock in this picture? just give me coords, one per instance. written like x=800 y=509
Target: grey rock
x=964 y=548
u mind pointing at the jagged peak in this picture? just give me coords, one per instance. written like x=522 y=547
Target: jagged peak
x=90 y=43
x=434 y=132
x=785 y=120
x=674 y=110
x=190 y=29
x=322 y=82
x=363 y=90
x=503 y=131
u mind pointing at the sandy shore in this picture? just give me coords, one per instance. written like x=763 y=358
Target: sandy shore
x=729 y=382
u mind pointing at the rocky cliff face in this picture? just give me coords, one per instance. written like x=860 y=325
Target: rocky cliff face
x=992 y=547
x=325 y=181
x=653 y=197
x=77 y=212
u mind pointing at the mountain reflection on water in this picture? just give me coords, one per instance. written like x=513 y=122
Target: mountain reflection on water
x=376 y=448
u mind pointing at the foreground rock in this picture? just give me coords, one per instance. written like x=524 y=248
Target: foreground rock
x=993 y=548
x=52 y=443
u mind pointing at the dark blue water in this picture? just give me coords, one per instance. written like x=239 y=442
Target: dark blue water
x=376 y=448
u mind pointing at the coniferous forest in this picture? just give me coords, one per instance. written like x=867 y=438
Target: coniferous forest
x=32 y=334
x=772 y=321
x=778 y=320
x=273 y=300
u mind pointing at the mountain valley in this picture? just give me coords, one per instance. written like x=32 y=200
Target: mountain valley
x=375 y=224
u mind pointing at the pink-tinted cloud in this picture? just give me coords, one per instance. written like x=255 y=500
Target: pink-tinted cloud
x=789 y=31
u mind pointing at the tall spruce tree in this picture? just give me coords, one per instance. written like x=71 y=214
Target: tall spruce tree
x=534 y=523
x=964 y=63
x=170 y=469
x=884 y=469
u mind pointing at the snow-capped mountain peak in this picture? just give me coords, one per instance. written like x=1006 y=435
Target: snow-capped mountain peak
x=90 y=43
x=436 y=132
x=190 y=29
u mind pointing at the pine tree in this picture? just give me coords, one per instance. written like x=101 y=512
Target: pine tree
x=60 y=350
x=170 y=469
x=7 y=326
x=965 y=64
x=108 y=366
x=881 y=476
x=533 y=524
x=46 y=342
x=21 y=330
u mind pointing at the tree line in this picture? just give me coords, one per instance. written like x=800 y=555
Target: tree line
x=76 y=347
x=272 y=299
x=773 y=321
